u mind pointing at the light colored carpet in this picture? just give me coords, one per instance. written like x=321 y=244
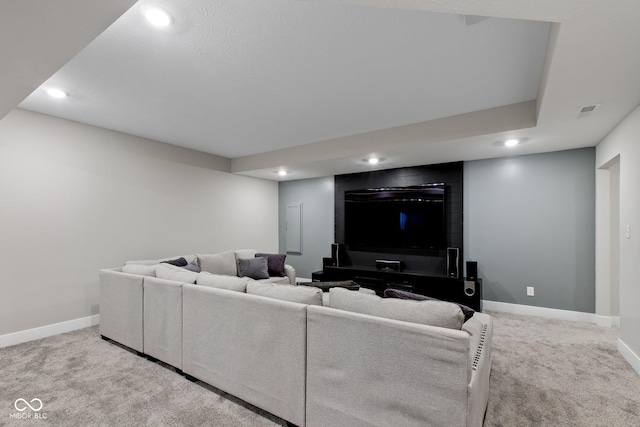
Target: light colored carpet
x=557 y=373
x=545 y=373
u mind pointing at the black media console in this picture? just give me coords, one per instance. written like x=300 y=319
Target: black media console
x=441 y=287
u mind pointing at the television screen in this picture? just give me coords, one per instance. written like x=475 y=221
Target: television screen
x=410 y=218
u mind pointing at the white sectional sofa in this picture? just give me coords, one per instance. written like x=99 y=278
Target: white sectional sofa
x=360 y=361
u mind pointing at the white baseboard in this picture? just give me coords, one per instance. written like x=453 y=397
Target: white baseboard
x=629 y=355
x=552 y=313
x=607 y=321
x=47 y=331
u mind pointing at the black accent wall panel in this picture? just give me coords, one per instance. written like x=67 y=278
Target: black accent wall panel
x=428 y=262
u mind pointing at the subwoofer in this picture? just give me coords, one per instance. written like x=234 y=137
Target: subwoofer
x=469 y=288
x=452 y=262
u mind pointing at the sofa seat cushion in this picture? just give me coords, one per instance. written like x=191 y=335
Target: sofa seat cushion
x=222 y=263
x=177 y=274
x=220 y=281
x=300 y=294
x=140 y=269
x=430 y=312
x=276 y=280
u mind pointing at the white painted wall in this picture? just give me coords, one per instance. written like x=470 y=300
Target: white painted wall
x=75 y=198
x=625 y=142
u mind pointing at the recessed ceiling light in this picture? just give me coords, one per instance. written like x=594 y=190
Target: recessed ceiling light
x=156 y=15
x=56 y=93
x=511 y=142
x=373 y=160
x=282 y=172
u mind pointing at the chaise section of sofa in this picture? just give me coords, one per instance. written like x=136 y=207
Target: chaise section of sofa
x=250 y=346
x=365 y=370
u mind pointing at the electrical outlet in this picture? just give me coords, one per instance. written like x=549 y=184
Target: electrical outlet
x=530 y=291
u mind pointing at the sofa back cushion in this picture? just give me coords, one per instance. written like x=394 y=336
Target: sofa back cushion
x=430 y=312
x=222 y=263
x=220 y=281
x=301 y=294
x=177 y=274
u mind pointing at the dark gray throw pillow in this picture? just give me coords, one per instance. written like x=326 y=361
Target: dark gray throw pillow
x=275 y=263
x=256 y=268
x=178 y=262
x=396 y=293
x=193 y=266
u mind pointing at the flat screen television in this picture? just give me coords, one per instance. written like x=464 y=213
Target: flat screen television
x=396 y=218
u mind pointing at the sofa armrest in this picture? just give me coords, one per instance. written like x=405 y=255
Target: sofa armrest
x=121 y=308
x=480 y=329
x=162 y=324
x=290 y=272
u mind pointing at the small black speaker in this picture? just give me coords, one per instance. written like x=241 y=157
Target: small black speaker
x=452 y=262
x=334 y=254
x=469 y=288
x=327 y=261
x=338 y=255
x=472 y=270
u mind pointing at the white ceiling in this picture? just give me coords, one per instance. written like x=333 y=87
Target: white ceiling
x=316 y=86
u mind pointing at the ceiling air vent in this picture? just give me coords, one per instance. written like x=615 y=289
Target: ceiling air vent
x=587 y=110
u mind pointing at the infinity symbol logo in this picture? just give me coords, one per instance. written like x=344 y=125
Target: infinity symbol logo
x=24 y=402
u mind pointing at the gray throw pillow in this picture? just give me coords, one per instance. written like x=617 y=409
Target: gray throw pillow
x=192 y=266
x=178 y=262
x=256 y=268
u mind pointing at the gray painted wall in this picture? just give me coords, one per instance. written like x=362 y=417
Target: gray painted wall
x=530 y=221
x=316 y=196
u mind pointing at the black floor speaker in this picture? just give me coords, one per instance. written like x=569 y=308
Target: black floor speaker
x=339 y=255
x=472 y=270
x=453 y=263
